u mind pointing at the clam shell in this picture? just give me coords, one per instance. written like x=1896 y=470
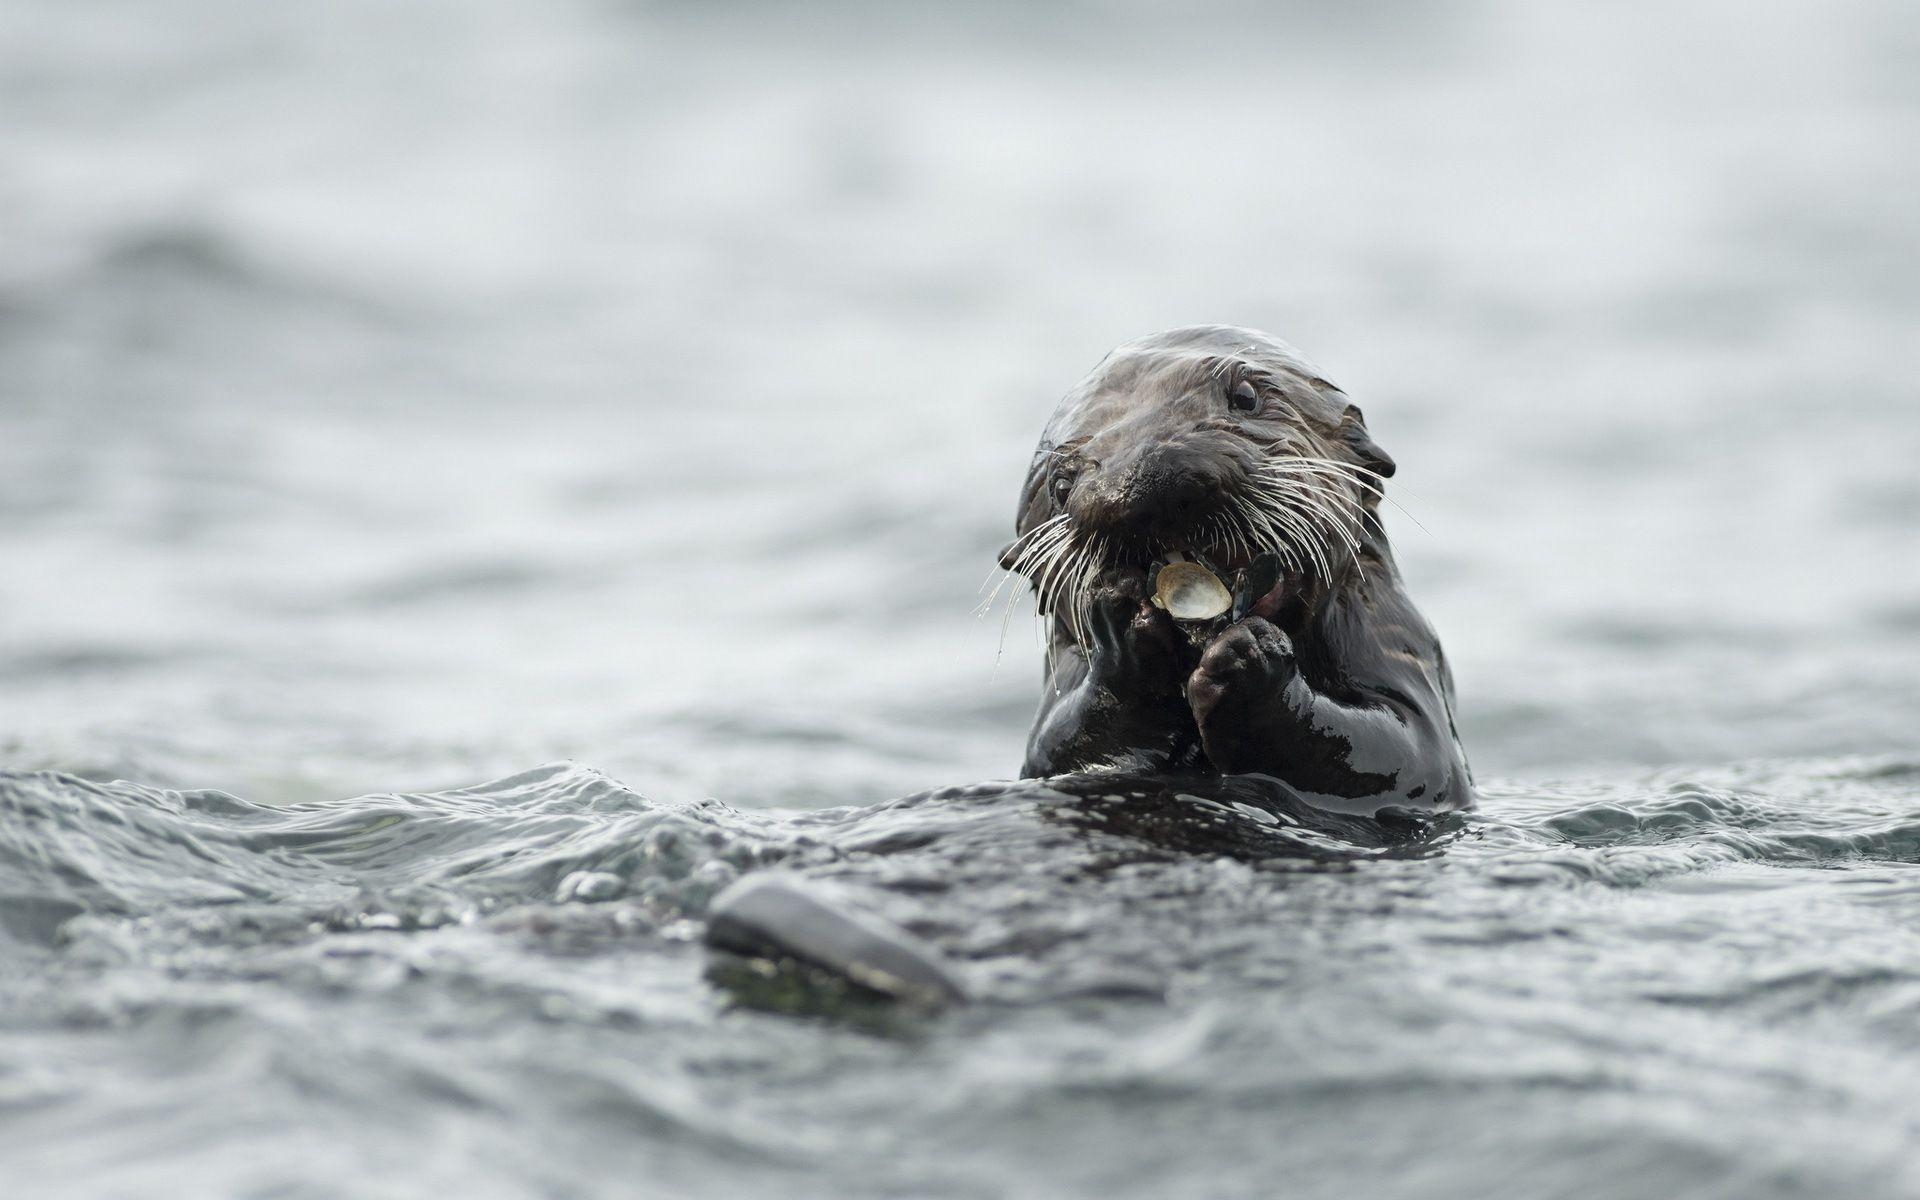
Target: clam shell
x=1190 y=592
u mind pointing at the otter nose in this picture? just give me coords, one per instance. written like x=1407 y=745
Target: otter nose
x=1172 y=491
x=1168 y=491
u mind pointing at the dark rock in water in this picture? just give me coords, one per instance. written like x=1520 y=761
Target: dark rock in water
x=776 y=917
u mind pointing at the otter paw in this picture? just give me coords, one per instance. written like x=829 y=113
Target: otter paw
x=1247 y=660
x=1132 y=640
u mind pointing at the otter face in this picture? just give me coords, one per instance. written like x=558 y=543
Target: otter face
x=1210 y=442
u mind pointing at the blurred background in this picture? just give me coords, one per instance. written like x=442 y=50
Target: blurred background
x=395 y=396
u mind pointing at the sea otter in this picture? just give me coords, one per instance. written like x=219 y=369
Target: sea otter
x=1302 y=716
x=1226 y=448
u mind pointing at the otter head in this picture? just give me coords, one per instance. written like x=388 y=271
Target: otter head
x=1209 y=442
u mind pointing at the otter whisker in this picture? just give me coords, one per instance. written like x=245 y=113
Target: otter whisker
x=1296 y=458
x=1024 y=551
x=1215 y=532
x=1295 y=467
x=1041 y=551
x=1340 y=513
x=1083 y=598
x=1055 y=566
x=1361 y=477
x=1061 y=598
x=1053 y=532
x=1288 y=527
x=1297 y=544
x=1362 y=474
x=1057 y=585
x=1325 y=480
x=1049 y=573
x=999 y=578
x=1082 y=593
x=1319 y=487
x=1309 y=507
x=1314 y=507
x=1051 y=527
x=1238 y=538
x=1039 y=565
x=1037 y=553
x=1047 y=531
x=1245 y=538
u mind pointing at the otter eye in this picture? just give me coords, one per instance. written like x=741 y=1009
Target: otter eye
x=1243 y=396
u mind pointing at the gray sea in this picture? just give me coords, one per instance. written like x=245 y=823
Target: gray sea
x=477 y=477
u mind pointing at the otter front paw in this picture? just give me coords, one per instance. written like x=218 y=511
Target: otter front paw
x=1240 y=678
x=1135 y=645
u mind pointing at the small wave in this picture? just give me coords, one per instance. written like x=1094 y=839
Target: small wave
x=522 y=957
x=1628 y=837
x=557 y=834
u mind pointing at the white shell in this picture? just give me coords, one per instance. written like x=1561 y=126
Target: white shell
x=1190 y=592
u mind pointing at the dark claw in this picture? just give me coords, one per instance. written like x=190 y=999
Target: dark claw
x=1261 y=576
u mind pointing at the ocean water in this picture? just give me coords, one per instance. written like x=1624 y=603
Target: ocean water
x=622 y=403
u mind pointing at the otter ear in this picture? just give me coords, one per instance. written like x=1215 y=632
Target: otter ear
x=1353 y=431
